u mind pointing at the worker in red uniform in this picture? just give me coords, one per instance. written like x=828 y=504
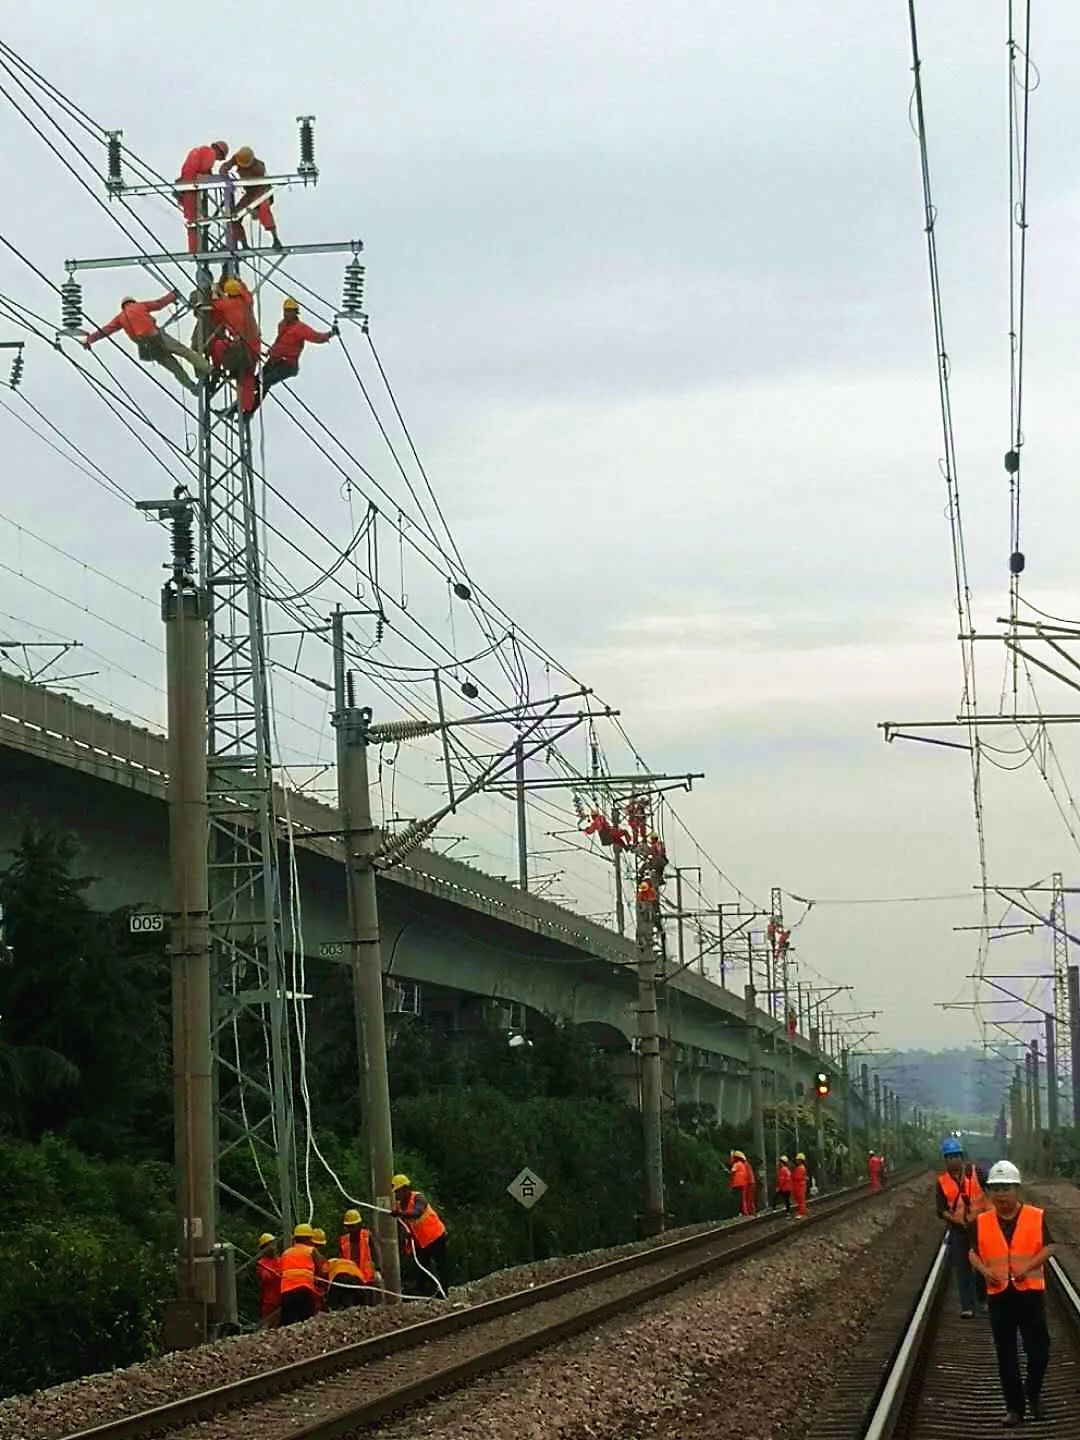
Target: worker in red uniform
x=783 y=1183
x=352 y=1272
x=233 y=313
x=283 y=362
x=252 y=199
x=875 y=1167
x=742 y=1182
x=798 y=1186
x=268 y=1274
x=198 y=165
x=426 y=1232
x=154 y=345
x=299 y=1286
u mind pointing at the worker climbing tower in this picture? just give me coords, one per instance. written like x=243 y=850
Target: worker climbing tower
x=254 y=1146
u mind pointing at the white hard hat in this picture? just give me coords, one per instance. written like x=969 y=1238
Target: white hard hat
x=1004 y=1172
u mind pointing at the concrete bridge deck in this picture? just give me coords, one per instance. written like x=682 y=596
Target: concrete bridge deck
x=445 y=924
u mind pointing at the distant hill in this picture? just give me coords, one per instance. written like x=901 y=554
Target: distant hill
x=969 y=1083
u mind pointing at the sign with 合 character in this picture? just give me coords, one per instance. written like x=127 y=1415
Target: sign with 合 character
x=527 y=1188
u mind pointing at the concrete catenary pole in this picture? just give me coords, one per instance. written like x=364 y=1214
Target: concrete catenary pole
x=1051 y=1075
x=522 y=816
x=878 y=1145
x=183 y=609
x=1074 y=1039
x=360 y=841
x=649 y=1054
x=753 y=1065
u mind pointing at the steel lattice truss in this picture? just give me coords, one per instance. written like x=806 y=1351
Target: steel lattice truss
x=250 y=1030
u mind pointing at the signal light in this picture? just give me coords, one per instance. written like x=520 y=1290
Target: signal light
x=822 y=1085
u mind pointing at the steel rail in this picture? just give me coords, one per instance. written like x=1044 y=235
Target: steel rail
x=768 y=1229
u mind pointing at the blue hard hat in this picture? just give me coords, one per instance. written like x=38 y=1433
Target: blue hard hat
x=951 y=1146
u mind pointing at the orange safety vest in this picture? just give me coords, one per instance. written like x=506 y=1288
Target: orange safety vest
x=355 y=1259
x=427 y=1228
x=997 y=1254
x=298 y=1269
x=966 y=1200
x=783 y=1180
x=740 y=1175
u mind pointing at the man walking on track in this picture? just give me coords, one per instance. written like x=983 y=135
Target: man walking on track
x=1010 y=1244
x=798 y=1186
x=960 y=1201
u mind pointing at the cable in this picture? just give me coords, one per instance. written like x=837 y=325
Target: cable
x=968 y=704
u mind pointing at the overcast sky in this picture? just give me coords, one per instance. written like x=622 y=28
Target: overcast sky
x=651 y=283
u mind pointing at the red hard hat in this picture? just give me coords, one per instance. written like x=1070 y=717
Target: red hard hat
x=221 y=146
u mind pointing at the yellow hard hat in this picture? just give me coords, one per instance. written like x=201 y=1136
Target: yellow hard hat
x=265 y=1239
x=352 y=1217
x=399 y=1180
x=245 y=155
x=303 y=1232
x=783 y=1159
x=738 y=1155
x=800 y=1156
x=233 y=286
x=319 y=1236
x=291 y=304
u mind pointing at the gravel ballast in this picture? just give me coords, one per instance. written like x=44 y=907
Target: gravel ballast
x=743 y=1353
x=78 y=1404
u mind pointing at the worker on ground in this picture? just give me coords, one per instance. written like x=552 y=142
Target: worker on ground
x=798 y=1186
x=1010 y=1244
x=426 y=1232
x=783 y=1184
x=268 y=1274
x=322 y=1274
x=299 y=1286
x=742 y=1181
x=960 y=1201
x=875 y=1167
x=252 y=199
x=198 y=165
x=232 y=314
x=352 y=1271
x=154 y=345
x=283 y=362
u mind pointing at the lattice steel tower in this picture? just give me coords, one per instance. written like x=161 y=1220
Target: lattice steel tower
x=252 y=1058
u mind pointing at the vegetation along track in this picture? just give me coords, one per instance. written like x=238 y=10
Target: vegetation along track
x=923 y=1373
x=316 y=1398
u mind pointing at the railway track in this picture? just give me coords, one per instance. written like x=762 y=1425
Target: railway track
x=342 y=1391
x=923 y=1373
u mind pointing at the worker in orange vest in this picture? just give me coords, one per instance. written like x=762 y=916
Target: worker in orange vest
x=742 y=1182
x=959 y=1202
x=783 y=1183
x=253 y=199
x=268 y=1275
x=136 y=320
x=427 y=1233
x=1010 y=1244
x=352 y=1273
x=798 y=1186
x=198 y=164
x=299 y=1284
x=875 y=1167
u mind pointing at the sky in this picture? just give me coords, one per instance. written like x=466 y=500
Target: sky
x=651 y=286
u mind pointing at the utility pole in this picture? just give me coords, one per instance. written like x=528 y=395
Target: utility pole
x=183 y=609
x=616 y=860
x=1074 y=1040
x=1050 y=1039
x=649 y=1052
x=753 y=1063
x=254 y=1101
x=1057 y=1062
x=1036 y=1109
x=361 y=842
x=522 y=816
x=877 y=1112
